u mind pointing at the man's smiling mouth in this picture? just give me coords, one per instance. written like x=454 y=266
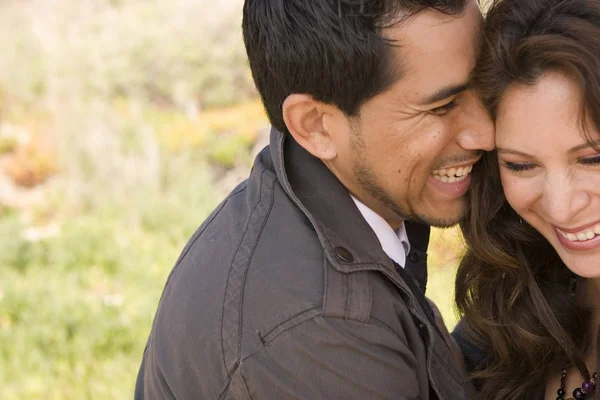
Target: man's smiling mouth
x=452 y=175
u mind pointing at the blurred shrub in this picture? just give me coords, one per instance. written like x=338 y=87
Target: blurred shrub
x=119 y=102
x=180 y=53
x=229 y=150
x=76 y=305
x=30 y=165
x=121 y=87
x=7 y=145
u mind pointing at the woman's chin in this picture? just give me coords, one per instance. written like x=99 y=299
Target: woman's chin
x=583 y=259
x=585 y=266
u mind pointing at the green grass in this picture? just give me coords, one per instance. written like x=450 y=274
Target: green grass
x=76 y=309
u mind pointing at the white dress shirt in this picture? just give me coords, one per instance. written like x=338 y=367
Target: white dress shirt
x=394 y=243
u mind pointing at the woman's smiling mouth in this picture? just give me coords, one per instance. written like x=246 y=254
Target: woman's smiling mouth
x=583 y=238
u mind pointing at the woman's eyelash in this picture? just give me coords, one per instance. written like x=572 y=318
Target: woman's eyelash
x=515 y=167
x=590 y=160
x=520 y=167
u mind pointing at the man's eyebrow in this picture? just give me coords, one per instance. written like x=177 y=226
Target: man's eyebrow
x=444 y=93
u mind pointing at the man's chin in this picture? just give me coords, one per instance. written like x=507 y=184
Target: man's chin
x=442 y=221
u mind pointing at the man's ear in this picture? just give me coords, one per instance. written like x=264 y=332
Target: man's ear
x=307 y=121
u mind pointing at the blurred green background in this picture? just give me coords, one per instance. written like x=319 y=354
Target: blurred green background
x=122 y=124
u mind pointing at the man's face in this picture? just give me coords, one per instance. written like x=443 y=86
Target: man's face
x=410 y=152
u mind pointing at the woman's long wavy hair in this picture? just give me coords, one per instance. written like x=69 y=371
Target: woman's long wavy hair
x=512 y=288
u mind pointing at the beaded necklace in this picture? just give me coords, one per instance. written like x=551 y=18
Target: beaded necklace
x=587 y=388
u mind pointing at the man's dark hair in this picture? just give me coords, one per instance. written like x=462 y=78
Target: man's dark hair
x=333 y=50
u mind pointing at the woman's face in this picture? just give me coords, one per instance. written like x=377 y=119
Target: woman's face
x=550 y=174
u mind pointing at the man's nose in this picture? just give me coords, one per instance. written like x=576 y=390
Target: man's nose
x=476 y=127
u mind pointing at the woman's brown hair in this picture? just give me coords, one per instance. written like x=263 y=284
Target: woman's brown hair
x=512 y=288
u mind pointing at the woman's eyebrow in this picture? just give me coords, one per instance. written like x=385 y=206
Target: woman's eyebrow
x=512 y=151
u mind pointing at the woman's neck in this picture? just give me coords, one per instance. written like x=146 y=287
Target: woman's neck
x=590 y=296
x=594 y=292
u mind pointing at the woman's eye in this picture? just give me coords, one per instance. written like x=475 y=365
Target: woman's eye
x=445 y=109
x=518 y=167
x=590 y=160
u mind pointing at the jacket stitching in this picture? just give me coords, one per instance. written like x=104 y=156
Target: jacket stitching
x=251 y=256
x=191 y=244
x=276 y=336
x=199 y=233
x=229 y=276
x=383 y=325
x=227 y=385
x=325 y=284
x=379 y=323
x=389 y=328
x=266 y=335
x=348 y=303
x=447 y=367
x=245 y=385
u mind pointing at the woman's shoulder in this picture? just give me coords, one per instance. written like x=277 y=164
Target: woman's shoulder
x=474 y=356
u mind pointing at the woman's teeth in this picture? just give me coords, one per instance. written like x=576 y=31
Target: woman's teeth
x=452 y=175
x=582 y=236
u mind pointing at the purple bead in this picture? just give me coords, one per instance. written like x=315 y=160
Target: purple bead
x=578 y=394
x=588 y=387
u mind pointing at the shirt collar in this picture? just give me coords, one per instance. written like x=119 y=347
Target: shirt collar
x=394 y=243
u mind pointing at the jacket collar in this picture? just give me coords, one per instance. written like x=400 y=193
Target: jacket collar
x=348 y=241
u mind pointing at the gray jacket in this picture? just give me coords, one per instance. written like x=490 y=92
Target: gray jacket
x=284 y=292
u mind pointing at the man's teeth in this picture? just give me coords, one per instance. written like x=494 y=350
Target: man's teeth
x=583 y=236
x=452 y=175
